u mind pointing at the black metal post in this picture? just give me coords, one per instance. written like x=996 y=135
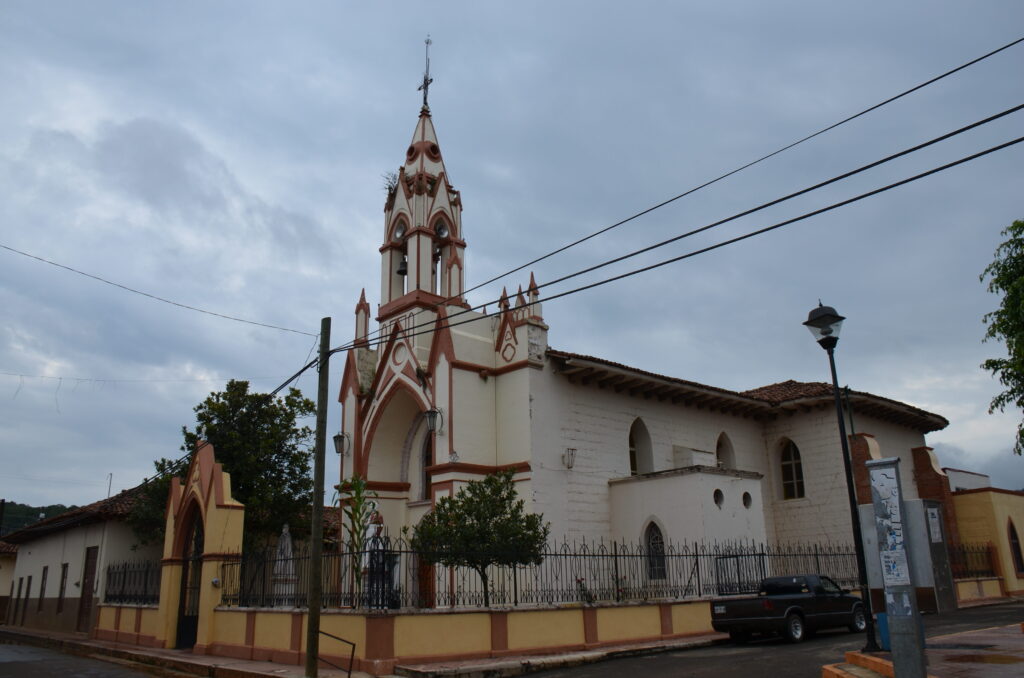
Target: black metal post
x=829 y=345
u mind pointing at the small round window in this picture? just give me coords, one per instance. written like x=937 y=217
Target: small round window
x=441 y=228
x=719 y=498
x=747 y=500
x=399 y=232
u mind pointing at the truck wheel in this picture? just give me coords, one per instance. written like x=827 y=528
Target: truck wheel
x=794 y=629
x=859 y=622
x=739 y=636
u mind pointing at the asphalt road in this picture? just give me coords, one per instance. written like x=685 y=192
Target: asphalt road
x=23 y=661
x=772 y=657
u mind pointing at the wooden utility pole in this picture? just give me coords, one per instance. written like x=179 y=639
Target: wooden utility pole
x=316 y=537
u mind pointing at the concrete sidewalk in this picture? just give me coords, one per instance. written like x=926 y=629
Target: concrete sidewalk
x=982 y=653
x=178 y=663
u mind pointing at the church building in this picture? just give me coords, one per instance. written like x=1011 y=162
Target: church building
x=441 y=394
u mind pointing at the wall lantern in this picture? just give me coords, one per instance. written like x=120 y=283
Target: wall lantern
x=342 y=443
x=435 y=420
x=569 y=457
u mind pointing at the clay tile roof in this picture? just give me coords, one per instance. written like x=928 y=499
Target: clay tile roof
x=789 y=390
x=111 y=508
x=767 y=401
x=7 y=548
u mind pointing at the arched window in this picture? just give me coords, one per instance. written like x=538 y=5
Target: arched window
x=724 y=453
x=640 y=455
x=655 y=544
x=1018 y=558
x=427 y=458
x=792 y=472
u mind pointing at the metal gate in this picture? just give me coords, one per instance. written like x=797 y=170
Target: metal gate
x=191 y=581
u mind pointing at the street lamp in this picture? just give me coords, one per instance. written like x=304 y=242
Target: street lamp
x=824 y=324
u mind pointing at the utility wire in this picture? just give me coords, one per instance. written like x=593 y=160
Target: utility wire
x=732 y=172
x=750 y=211
x=82 y=380
x=439 y=325
x=153 y=296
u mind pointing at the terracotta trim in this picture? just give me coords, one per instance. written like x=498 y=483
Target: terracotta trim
x=250 y=631
x=477 y=469
x=485 y=371
x=499 y=631
x=385 y=486
x=665 y=609
x=417 y=298
x=380 y=638
x=296 y=639
x=590 y=626
x=997 y=490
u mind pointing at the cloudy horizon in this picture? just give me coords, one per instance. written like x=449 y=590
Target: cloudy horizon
x=232 y=160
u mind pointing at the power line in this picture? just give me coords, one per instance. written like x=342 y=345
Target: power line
x=439 y=325
x=153 y=296
x=752 y=210
x=732 y=172
x=84 y=380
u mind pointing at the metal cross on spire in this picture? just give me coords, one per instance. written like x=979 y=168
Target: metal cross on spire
x=425 y=87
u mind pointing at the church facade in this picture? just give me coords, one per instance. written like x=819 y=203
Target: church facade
x=441 y=394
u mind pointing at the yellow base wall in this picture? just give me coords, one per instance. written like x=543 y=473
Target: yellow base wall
x=385 y=639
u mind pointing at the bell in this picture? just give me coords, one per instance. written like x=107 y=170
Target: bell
x=403 y=267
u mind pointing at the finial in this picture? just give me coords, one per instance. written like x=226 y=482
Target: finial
x=426 y=75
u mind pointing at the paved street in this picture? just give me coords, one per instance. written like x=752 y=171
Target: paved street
x=774 y=657
x=23 y=661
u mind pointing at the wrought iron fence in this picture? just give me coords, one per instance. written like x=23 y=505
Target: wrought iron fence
x=387 y=574
x=134 y=582
x=971 y=561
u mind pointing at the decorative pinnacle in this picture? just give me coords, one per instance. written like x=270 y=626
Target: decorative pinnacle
x=425 y=86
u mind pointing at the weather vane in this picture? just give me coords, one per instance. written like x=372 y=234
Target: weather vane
x=426 y=75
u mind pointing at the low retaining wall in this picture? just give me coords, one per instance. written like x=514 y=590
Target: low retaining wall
x=384 y=639
x=980 y=588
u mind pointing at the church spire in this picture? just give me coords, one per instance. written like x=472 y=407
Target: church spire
x=422 y=257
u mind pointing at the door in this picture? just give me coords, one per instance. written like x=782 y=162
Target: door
x=191 y=581
x=88 y=582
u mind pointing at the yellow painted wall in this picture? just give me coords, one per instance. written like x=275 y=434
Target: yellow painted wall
x=691 y=617
x=545 y=628
x=273 y=630
x=624 y=623
x=348 y=626
x=983 y=517
x=150 y=625
x=230 y=626
x=106 y=617
x=417 y=635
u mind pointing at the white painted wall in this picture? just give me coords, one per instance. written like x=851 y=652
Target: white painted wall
x=682 y=504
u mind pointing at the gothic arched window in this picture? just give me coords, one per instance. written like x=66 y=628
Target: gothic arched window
x=1018 y=558
x=792 y=472
x=724 y=453
x=654 y=542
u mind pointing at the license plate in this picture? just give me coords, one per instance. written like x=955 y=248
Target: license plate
x=719 y=609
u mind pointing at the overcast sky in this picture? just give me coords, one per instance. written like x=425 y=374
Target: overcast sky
x=229 y=156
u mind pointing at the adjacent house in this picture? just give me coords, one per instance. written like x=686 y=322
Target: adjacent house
x=58 y=575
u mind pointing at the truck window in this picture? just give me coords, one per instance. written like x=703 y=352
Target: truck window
x=829 y=586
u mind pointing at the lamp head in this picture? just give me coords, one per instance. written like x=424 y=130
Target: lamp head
x=824 y=324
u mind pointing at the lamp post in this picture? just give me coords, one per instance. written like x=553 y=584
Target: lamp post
x=824 y=324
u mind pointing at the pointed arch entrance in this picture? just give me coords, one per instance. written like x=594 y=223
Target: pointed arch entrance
x=191 y=583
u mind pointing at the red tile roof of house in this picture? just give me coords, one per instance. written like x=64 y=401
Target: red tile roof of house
x=7 y=548
x=112 y=508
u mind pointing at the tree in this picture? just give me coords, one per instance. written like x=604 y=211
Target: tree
x=258 y=440
x=1006 y=323
x=484 y=524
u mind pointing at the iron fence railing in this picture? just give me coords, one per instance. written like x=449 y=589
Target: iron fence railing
x=388 y=574
x=133 y=582
x=972 y=561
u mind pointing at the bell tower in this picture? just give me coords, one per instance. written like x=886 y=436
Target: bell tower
x=422 y=257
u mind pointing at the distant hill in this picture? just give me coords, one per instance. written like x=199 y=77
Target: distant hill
x=17 y=516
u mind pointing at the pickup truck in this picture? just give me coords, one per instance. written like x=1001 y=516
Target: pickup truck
x=794 y=606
